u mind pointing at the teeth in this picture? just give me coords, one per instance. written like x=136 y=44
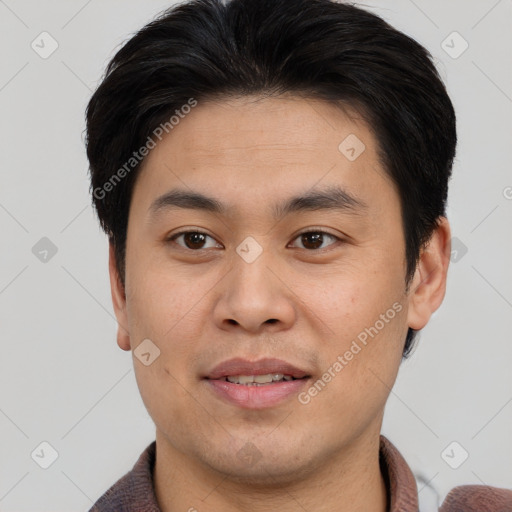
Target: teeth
x=254 y=380
x=263 y=379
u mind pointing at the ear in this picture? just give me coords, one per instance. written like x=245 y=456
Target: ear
x=118 y=301
x=428 y=285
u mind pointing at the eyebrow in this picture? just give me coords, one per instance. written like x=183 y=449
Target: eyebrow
x=332 y=198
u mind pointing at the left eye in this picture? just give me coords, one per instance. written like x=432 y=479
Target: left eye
x=314 y=239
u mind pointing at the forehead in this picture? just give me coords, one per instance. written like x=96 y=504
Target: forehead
x=259 y=127
x=254 y=149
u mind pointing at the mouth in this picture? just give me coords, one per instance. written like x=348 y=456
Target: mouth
x=256 y=385
x=258 y=380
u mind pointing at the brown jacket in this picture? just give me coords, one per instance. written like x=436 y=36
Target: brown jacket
x=134 y=492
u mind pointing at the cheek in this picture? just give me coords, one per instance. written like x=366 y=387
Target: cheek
x=159 y=306
x=351 y=299
x=365 y=319
x=161 y=310
x=364 y=361
x=166 y=399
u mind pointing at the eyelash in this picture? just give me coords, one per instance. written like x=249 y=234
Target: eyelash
x=172 y=238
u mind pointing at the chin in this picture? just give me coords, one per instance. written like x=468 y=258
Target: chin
x=267 y=466
x=266 y=475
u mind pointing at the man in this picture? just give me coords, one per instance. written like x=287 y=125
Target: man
x=272 y=176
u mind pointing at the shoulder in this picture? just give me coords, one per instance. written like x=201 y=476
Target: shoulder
x=477 y=498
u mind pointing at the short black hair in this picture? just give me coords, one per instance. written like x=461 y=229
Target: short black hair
x=318 y=49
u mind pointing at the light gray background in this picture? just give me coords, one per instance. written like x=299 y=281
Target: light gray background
x=63 y=378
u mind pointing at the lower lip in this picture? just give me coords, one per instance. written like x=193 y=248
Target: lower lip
x=256 y=397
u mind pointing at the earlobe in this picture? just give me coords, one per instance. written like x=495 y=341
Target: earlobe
x=428 y=286
x=118 y=301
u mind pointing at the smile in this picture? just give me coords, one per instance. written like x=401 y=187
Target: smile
x=257 y=380
x=256 y=384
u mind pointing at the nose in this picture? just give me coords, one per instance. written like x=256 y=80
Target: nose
x=255 y=296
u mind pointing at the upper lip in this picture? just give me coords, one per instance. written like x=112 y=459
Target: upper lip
x=239 y=366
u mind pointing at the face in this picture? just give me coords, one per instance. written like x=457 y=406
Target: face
x=256 y=282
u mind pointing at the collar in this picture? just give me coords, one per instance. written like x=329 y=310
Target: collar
x=399 y=479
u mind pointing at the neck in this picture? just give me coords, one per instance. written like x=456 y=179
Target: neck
x=347 y=482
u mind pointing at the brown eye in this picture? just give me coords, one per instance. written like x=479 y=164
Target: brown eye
x=193 y=240
x=312 y=240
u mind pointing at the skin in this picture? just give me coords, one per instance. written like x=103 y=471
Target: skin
x=203 y=307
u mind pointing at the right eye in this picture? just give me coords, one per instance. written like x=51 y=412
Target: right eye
x=193 y=240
